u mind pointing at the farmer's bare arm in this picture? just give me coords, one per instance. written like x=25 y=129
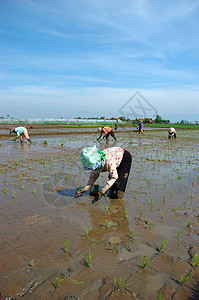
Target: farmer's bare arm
x=83 y=190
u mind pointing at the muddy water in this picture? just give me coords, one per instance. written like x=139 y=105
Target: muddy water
x=39 y=213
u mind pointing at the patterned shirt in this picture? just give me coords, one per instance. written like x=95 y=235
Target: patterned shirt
x=171 y=130
x=113 y=159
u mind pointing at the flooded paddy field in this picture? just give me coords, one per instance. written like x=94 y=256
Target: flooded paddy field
x=54 y=245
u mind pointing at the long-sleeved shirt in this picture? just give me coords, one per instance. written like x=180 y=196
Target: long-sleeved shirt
x=141 y=126
x=113 y=159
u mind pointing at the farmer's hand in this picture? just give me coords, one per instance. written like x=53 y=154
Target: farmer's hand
x=83 y=190
x=104 y=189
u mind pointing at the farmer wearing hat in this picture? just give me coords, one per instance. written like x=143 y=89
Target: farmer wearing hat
x=115 y=160
x=171 y=133
x=107 y=131
x=141 y=126
x=20 y=132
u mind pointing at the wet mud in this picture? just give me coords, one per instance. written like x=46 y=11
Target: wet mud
x=55 y=245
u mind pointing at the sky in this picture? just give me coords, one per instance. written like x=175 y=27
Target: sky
x=71 y=58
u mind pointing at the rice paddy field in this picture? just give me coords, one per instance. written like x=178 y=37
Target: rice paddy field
x=55 y=245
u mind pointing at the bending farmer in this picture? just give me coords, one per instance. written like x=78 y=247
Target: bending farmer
x=107 y=131
x=20 y=132
x=171 y=133
x=115 y=160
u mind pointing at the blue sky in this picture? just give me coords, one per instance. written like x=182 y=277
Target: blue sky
x=87 y=58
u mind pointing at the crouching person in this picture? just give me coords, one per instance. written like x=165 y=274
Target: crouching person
x=115 y=160
x=21 y=132
x=171 y=133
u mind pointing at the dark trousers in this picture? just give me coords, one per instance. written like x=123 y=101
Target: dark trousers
x=111 y=133
x=123 y=171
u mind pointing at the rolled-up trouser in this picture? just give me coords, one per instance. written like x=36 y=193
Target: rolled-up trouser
x=118 y=188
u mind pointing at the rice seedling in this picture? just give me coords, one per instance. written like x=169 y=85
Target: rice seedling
x=185 y=278
x=160 y=297
x=136 y=196
x=107 y=224
x=58 y=281
x=162 y=214
x=22 y=187
x=86 y=233
x=195 y=260
x=145 y=262
x=156 y=188
x=125 y=212
x=141 y=208
x=180 y=187
x=151 y=201
x=120 y=283
x=66 y=246
x=165 y=185
x=77 y=282
x=148 y=180
x=14 y=195
x=88 y=263
x=4 y=190
x=179 y=232
x=162 y=246
x=34 y=191
x=132 y=234
x=189 y=224
x=150 y=224
x=31 y=263
x=185 y=201
x=176 y=208
x=171 y=190
x=112 y=247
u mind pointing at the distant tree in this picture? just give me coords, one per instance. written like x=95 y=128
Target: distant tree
x=123 y=119
x=184 y=122
x=158 y=119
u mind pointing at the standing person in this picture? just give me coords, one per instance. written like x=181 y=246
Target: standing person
x=115 y=160
x=107 y=131
x=20 y=132
x=171 y=133
x=141 y=126
x=116 y=124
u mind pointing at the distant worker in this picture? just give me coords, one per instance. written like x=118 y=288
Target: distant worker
x=20 y=132
x=106 y=131
x=116 y=124
x=171 y=133
x=141 y=126
x=115 y=160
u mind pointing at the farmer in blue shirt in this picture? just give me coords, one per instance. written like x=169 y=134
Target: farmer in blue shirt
x=141 y=126
x=20 y=132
